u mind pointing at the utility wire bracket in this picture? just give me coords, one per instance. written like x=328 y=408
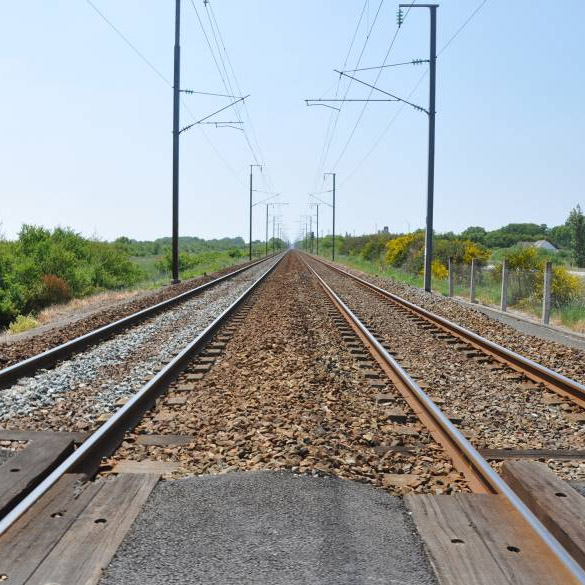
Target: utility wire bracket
x=193 y=92
x=399 y=99
x=213 y=114
x=412 y=62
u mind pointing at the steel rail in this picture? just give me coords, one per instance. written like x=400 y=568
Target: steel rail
x=560 y=384
x=477 y=465
x=110 y=434
x=48 y=358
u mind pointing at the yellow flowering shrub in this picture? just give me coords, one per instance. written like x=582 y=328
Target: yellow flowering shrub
x=472 y=251
x=566 y=287
x=438 y=269
x=398 y=248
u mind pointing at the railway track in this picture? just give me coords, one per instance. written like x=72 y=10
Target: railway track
x=96 y=379
x=49 y=357
x=287 y=377
x=445 y=329
x=532 y=422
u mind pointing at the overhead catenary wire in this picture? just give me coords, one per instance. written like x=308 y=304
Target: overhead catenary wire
x=384 y=132
x=411 y=62
x=338 y=82
x=224 y=75
x=128 y=42
x=465 y=23
x=160 y=75
x=352 y=133
x=329 y=139
x=413 y=90
x=213 y=19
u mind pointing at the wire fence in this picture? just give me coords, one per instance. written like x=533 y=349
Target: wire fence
x=562 y=301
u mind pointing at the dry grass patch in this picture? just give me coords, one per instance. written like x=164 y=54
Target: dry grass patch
x=55 y=312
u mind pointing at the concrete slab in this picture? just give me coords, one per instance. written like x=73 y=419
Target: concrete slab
x=270 y=528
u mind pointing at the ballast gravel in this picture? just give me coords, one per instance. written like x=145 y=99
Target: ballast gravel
x=73 y=395
x=288 y=394
x=565 y=360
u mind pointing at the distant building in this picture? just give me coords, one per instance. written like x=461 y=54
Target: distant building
x=385 y=230
x=540 y=244
x=545 y=245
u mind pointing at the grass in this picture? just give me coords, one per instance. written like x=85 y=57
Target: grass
x=23 y=323
x=155 y=277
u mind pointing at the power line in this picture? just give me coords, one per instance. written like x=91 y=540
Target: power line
x=128 y=42
x=416 y=86
x=346 y=145
x=133 y=47
x=469 y=19
x=223 y=74
x=338 y=83
x=268 y=178
x=222 y=70
x=411 y=62
x=229 y=62
x=329 y=139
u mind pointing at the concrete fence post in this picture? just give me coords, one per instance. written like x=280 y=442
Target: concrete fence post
x=546 y=293
x=472 y=283
x=504 y=302
x=450 y=264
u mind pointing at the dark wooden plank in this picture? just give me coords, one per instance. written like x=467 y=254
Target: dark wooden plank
x=558 y=506
x=22 y=472
x=478 y=539
x=17 y=435
x=164 y=440
x=88 y=546
x=559 y=454
x=36 y=533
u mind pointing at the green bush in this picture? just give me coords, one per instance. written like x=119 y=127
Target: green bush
x=43 y=267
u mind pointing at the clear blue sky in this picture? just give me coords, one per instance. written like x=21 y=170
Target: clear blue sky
x=85 y=125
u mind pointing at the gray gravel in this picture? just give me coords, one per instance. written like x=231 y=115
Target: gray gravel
x=270 y=527
x=118 y=367
x=579 y=486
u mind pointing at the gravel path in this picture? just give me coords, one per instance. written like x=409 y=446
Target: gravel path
x=73 y=395
x=270 y=529
x=497 y=408
x=15 y=351
x=287 y=394
x=559 y=357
